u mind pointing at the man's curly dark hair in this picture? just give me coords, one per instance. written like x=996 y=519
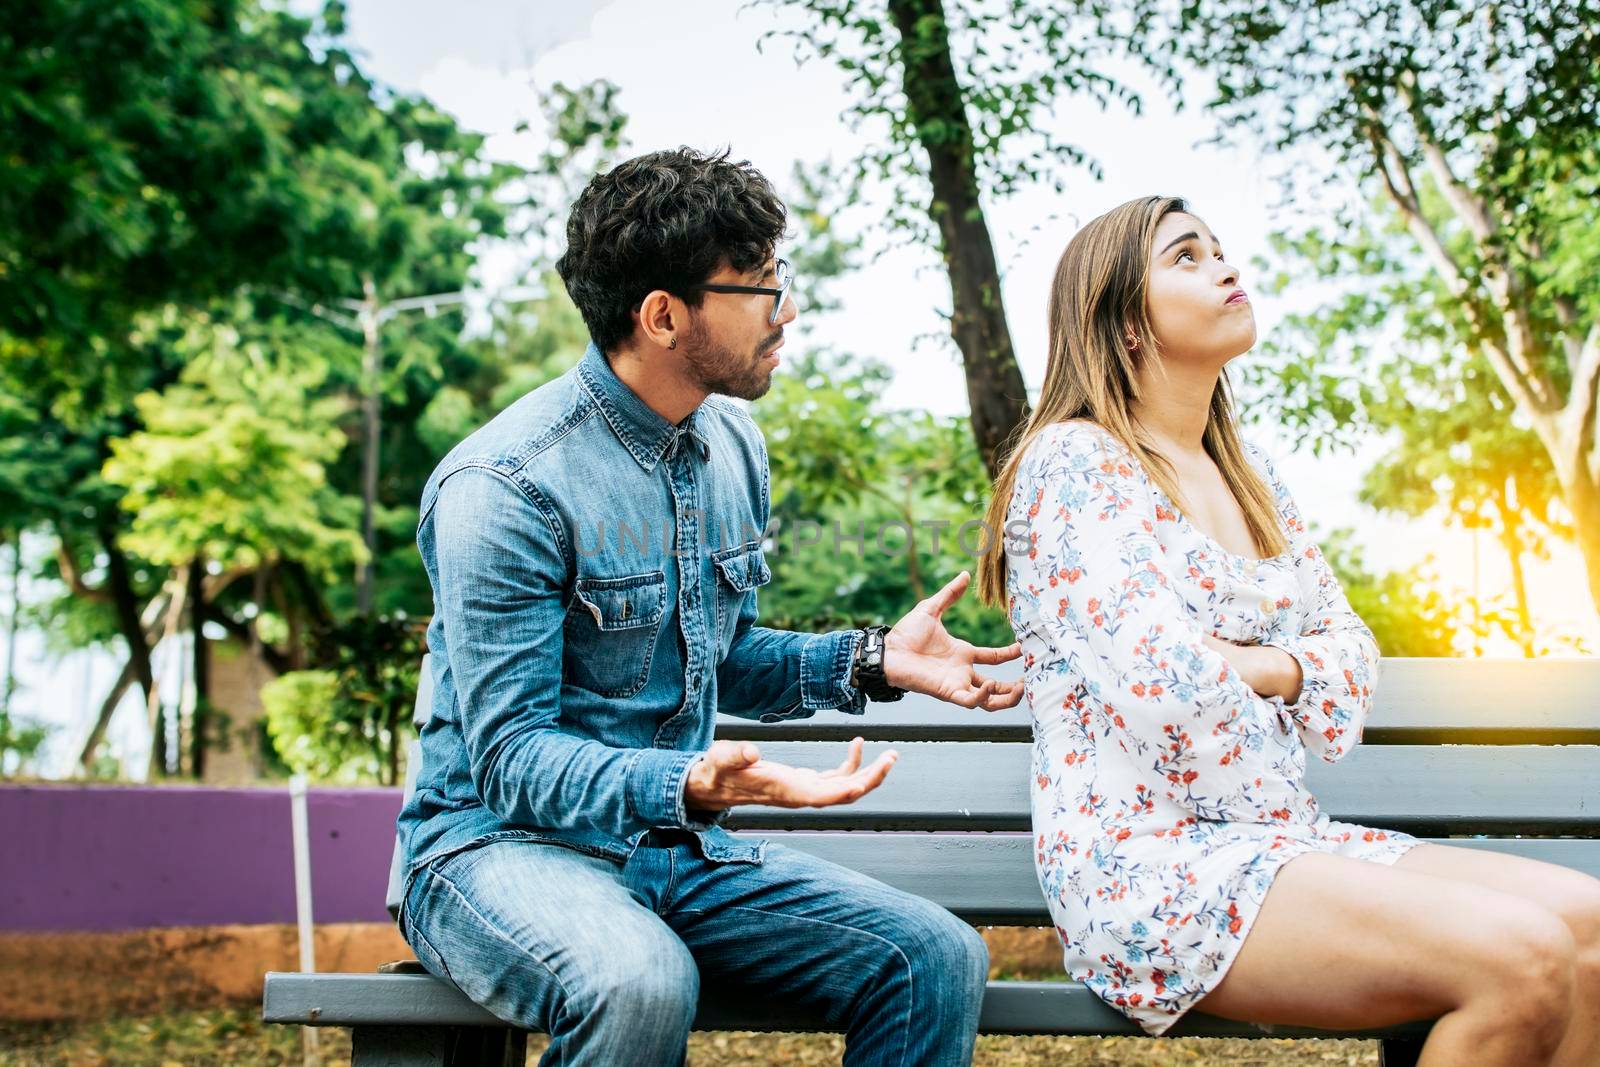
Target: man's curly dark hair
x=666 y=220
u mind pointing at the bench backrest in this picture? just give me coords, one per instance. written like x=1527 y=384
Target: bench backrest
x=1453 y=747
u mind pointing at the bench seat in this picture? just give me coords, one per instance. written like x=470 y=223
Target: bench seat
x=1484 y=754
x=1063 y=1008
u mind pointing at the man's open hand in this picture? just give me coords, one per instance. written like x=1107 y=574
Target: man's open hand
x=733 y=772
x=920 y=655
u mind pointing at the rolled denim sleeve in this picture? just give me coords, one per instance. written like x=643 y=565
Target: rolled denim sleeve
x=775 y=674
x=498 y=587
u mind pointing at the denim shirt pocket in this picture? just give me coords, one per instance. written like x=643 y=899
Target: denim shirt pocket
x=740 y=571
x=610 y=632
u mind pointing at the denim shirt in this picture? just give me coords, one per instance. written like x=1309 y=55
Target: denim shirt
x=594 y=571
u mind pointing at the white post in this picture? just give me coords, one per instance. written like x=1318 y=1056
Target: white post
x=302 y=897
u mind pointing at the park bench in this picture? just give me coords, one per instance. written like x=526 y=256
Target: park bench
x=1494 y=754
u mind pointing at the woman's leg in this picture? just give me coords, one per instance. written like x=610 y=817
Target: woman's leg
x=1344 y=944
x=1571 y=895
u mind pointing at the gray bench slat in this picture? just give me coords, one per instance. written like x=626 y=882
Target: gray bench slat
x=1418 y=701
x=1008 y=1008
x=988 y=879
x=1449 y=789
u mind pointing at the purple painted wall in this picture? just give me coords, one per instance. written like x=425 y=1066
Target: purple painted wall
x=119 y=858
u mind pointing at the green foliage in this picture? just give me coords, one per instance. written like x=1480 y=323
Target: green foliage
x=1407 y=613
x=585 y=135
x=870 y=502
x=1478 y=127
x=216 y=174
x=305 y=732
x=1386 y=358
x=1507 y=92
x=349 y=723
x=189 y=225
x=20 y=743
x=231 y=464
x=822 y=251
x=1017 y=60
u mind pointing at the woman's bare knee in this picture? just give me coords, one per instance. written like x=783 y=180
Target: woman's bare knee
x=1572 y=895
x=1527 y=980
x=1578 y=904
x=1401 y=946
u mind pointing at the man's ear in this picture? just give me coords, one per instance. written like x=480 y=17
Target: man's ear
x=661 y=317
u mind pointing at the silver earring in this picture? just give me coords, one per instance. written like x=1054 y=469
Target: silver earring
x=672 y=343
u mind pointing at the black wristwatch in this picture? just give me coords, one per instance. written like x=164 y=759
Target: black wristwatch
x=866 y=674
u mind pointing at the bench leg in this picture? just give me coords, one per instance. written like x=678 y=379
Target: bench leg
x=1398 y=1053
x=437 y=1046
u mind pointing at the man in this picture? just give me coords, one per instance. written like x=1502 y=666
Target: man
x=595 y=552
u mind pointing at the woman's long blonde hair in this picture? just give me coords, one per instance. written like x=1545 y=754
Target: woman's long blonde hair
x=1096 y=304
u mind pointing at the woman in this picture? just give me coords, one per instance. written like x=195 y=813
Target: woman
x=1186 y=647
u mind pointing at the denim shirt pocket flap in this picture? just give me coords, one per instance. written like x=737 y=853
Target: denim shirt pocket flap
x=624 y=603
x=743 y=568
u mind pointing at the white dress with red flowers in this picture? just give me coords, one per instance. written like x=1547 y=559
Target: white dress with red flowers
x=1166 y=793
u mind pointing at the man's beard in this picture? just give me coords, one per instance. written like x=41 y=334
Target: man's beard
x=720 y=369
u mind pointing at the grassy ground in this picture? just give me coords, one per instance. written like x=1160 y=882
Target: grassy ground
x=237 y=1038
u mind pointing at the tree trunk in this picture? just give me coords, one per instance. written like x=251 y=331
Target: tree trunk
x=1493 y=294
x=202 y=669
x=126 y=604
x=278 y=661
x=310 y=599
x=395 y=718
x=152 y=622
x=1511 y=539
x=294 y=658
x=1583 y=499
x=936 y=109
x=108 y=707
x=178 y=584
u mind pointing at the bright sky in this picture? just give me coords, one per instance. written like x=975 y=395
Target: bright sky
x=690 y=73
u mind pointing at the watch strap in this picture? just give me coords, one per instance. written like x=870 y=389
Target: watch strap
x=867 y=674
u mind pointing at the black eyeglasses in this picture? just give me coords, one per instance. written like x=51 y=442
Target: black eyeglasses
x=779 y=293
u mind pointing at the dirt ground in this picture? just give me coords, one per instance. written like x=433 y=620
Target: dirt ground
x=190 y=997
x=237 y=1038
x=82 y=976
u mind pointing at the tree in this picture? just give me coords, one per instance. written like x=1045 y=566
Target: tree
x=349 y=722
x=1480 y=125
x=943 y=142
x=229 y=472
x=1406 y=613
x=208 y=147
x=875 y=508
x=1382 y=360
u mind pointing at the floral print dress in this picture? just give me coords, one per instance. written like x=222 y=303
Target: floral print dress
x=1167 y=793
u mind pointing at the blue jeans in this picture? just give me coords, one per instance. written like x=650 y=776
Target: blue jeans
x=609 y=958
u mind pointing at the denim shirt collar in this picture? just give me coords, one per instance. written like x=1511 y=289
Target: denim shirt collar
x=644 y=433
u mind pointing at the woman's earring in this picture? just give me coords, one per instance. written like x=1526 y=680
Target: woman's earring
x=1133 y=343
x=672 y=343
